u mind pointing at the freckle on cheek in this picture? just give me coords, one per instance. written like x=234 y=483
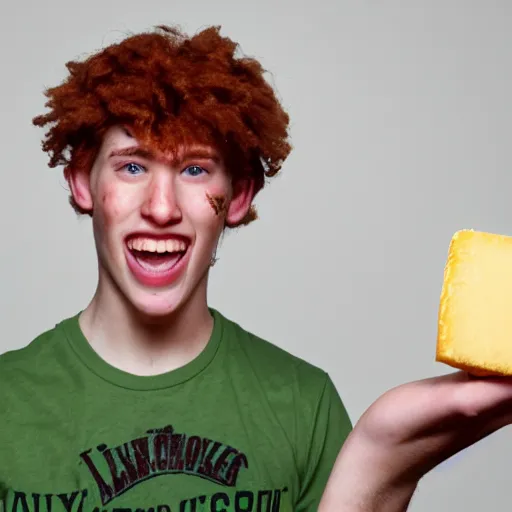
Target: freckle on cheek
x=218 y=203
x=110 y=204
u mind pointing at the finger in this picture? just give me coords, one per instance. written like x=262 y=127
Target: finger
x=430 y=406
x=480 y=396
x=460 y=393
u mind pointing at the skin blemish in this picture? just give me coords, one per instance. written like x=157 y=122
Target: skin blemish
x=218 y=203
x=111 y=204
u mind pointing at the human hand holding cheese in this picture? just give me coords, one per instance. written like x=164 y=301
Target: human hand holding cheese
x=414 y=427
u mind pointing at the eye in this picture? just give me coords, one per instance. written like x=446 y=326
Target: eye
x=194 y=170
x=133 y=168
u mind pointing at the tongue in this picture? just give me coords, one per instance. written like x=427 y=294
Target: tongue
x=157 y=262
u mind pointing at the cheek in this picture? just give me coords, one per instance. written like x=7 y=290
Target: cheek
x=218 y=202
x=113 y=204
x=207 y=205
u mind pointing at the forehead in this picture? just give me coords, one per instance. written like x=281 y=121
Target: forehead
x=121 y=141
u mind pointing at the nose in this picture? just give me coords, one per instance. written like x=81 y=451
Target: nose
x=160 y=205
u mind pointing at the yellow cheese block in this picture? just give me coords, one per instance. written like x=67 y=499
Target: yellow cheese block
x=475 y=312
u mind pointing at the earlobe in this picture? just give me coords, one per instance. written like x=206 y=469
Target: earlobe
x=80 y=185
x=240 y=204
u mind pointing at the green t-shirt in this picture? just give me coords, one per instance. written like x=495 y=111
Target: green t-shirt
x=244 y=427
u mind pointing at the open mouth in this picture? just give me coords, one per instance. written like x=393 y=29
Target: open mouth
x=157 y=256
x=157 y=262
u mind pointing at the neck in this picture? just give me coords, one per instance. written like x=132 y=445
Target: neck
x=142 y=346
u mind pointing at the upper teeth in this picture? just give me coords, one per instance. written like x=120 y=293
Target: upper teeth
x=147 y=244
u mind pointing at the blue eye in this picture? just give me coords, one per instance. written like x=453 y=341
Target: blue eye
x=134 y=169
x=194 y=170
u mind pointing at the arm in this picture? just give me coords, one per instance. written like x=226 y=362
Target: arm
x=406 y=433
x=357 y=484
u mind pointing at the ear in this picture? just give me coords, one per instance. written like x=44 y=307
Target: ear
x=243 y=194
x=80 y=184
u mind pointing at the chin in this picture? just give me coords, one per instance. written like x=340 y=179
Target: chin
x=156 y=305
x=161 y=302
x=157 y=293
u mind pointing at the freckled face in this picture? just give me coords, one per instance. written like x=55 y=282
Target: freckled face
x=155 y=226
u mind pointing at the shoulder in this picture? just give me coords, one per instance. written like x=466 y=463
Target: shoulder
x=24 y=364
x=303 y=400
x=274 y=366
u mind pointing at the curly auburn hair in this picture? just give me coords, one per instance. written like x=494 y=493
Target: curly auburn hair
x=170 y=89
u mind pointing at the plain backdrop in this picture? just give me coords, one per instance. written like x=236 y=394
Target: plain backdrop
x=401 y=125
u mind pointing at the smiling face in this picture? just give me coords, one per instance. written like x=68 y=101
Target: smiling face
x=157 y=220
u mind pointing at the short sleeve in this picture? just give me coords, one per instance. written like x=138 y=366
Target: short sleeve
x=330 y=428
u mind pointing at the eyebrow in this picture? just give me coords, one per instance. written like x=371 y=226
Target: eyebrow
x=133 y=151
x=176 y=158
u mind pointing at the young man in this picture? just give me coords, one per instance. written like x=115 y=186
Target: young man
x=149 y=399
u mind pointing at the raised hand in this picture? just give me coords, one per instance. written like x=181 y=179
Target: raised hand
x=407 y=432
